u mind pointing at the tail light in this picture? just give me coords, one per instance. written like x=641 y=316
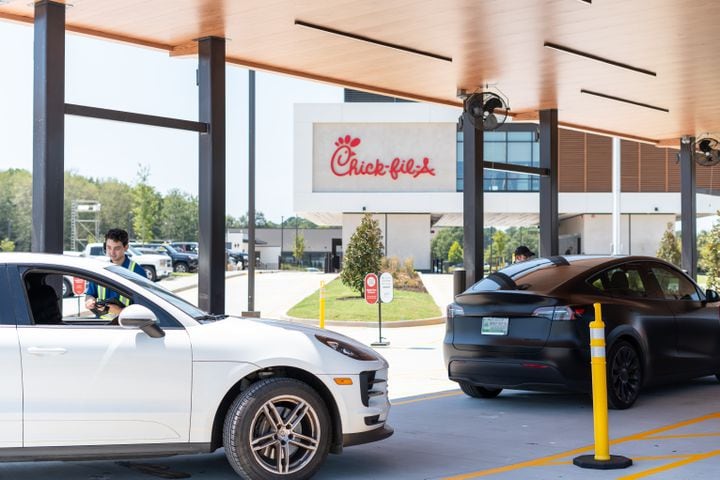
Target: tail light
x=558 y=314
x=454 y=310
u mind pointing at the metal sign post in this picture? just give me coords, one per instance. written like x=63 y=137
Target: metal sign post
x=385 y=296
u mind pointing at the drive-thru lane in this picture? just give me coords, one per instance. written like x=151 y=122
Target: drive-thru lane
x=440 y=433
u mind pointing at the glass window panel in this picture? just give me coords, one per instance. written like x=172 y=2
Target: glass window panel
x=520 y=136
x=495 y=152
x=494 y=137
x=520 y=153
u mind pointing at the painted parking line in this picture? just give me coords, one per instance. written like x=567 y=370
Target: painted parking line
x=424 y=398
x=561 y=458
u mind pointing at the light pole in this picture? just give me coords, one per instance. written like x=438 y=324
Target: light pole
x=282 y=220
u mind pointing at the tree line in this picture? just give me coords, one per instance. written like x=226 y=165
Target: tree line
x=139 y=208
x=447 y=244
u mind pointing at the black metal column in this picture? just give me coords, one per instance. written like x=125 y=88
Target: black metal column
x=48 y=128
x=211 y=269
x=473 y=205
x=688 y=215
x=549 y=244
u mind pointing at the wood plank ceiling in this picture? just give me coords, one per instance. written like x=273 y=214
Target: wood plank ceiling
x=499 y=43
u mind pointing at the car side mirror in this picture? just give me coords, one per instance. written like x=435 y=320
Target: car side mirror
x=712 y=296
x=137 y=316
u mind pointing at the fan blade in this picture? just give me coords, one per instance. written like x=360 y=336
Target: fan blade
x=490 y=122
x=704 y=145
x=492 y=104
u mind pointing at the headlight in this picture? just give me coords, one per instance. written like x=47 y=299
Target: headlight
x=346 y=349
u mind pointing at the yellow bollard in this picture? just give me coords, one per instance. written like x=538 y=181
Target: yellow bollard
x=602 y=458
x=322 y=304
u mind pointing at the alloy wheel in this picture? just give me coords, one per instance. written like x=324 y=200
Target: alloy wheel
x=285 y=434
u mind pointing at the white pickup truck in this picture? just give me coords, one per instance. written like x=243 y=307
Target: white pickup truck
x=157 y=266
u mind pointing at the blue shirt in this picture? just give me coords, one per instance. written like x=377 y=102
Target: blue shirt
x=92 y=288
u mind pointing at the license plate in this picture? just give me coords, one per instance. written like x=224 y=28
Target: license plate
x=494 y=326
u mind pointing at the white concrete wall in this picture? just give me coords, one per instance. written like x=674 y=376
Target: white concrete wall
x=639 y=234
x=404 y=235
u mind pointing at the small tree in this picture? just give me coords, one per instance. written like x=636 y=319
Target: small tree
x=712 y=256
x=146 y=207
x=455 y=255
x=363 y=254
x=500 y=244
x=669 y=249
x=299 y=248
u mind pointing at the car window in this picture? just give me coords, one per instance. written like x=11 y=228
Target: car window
x=161 y=292
x=55 y=298
x=674 y=285
x=620 y=281
x=58 y=298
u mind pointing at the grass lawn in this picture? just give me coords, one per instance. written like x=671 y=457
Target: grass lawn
x=342 y=303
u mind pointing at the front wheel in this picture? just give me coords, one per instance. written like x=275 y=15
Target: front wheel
x=150 y=273
x=277 y=428
x=181 y=267
x=624 y=374
x=476 y=391
x=67 y=289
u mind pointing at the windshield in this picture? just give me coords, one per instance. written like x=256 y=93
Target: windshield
x=537 y=275
x=161 y=292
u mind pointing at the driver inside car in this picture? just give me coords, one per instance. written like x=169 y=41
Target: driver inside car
x=105 y=303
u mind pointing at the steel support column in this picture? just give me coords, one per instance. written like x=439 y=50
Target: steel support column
x=549 y=244
x=688 y=215
x=211 y=268
x=48 y=128
x=473 y=205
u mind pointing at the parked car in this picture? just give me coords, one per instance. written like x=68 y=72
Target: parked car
x=238 y=258
x=169 y=378
x=185 y=247
x=182 y=262
x=156 y=266
x=526 y=327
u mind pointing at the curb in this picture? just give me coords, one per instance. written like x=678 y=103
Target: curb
x=368 y=324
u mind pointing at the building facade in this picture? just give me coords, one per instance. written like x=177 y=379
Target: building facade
x=402 y=162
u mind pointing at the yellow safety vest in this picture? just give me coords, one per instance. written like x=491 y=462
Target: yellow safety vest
x=102 y=295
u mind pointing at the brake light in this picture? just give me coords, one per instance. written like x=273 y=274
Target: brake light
x=453 y=310
x=556 y=314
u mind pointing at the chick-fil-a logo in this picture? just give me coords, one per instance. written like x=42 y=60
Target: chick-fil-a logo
x=344 y=162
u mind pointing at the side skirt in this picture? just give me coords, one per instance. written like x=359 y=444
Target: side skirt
x=101 y=452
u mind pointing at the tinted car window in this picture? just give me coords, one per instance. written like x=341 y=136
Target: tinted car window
x=674 y=285
x=621 y=281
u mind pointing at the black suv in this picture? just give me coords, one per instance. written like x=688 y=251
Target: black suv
x=182 y=262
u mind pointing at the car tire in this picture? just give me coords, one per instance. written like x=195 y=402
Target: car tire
x=476 y=391
x=67 y=289
x=302 y=444
x=150 y=273
x=624 y=375
x=182 y=267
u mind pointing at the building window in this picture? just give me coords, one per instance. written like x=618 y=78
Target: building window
x=515 y=144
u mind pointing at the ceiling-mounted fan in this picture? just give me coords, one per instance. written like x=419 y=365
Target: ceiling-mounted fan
x=487 y=110
x=706 y=149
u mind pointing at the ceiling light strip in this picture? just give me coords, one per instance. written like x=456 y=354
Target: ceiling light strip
x=572 y=51
x=624 y=100
x=372 y=41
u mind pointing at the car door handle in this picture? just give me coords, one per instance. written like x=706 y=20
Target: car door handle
x=46 y=350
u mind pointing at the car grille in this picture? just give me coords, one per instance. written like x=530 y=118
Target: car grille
x=371 y=386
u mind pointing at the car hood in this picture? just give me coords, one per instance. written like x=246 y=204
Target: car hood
x=267 y=342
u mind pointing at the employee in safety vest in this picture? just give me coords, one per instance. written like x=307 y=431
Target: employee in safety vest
x=116 y=244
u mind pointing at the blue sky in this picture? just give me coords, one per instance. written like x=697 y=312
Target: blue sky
x=123 y=77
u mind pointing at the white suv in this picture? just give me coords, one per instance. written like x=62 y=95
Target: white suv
x=168 y=378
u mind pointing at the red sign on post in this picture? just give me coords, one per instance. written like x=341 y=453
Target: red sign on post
x=371 y=288
x=78 y=286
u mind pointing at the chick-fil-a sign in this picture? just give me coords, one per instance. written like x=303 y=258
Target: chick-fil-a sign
x=345 y=162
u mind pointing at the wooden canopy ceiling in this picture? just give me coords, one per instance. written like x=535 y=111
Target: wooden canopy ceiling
x=653 y=53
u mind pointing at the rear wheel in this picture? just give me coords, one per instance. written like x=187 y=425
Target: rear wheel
x=476 y=391
x=624 y=374
x=277 y=428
